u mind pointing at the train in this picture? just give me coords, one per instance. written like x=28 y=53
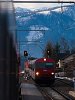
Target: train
x=9 y=66
x=42 y=69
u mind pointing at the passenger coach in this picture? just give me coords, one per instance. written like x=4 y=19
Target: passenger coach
x=42 y=69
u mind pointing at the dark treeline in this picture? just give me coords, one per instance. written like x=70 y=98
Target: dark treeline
x=59 y=50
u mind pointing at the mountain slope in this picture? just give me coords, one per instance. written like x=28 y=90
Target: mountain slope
x=54 y=25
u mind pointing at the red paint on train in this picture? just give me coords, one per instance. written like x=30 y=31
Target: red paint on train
x=42 y=69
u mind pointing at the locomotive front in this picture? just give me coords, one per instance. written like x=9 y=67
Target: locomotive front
x=45 y=69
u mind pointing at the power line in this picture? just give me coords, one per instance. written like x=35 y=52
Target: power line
x=51 y=1
x=30 y=30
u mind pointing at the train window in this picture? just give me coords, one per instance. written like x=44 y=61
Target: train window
x=44 y=65
x=49 y=64
x=30 y=66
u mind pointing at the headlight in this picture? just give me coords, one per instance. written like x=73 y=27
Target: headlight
x=22 y=72
x=52 y=73
x=37 y=73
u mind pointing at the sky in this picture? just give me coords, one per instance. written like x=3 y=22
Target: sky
x=33 y=6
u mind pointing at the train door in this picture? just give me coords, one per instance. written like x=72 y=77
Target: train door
x=33 y=71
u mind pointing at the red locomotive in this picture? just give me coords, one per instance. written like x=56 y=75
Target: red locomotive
x=42 y=69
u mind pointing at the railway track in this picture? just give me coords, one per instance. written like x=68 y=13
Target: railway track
x=63 y=87
x=58 y=91
x=45 y=94
x=66 y=97
x=69 y=83
x=49 y=93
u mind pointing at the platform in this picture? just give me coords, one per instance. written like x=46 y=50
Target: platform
x=30 y=92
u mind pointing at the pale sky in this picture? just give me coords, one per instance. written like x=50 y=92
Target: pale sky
x=38 y=5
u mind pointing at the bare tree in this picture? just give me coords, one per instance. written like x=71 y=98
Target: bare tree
x=64 y=45
x=72 y=46
x=56 y=51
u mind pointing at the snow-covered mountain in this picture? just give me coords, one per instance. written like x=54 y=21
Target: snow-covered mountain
x=46 y=25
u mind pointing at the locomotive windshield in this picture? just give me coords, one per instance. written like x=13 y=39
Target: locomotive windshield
x=44 y=65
